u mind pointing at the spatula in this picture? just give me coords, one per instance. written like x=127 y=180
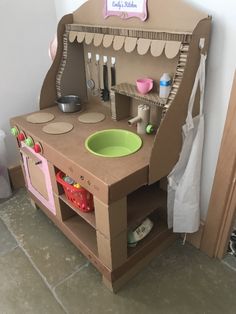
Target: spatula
x=105 y=94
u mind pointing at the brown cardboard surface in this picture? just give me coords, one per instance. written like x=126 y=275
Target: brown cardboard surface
x=143 y=46
x=91 y=117
x=16 y=177
x=98 y=38
x=131 y=66
x=113 y=181
x=130 y=44
x=40 y=117
x=72 y=80
x=157 y=47
x=37 y=178
x=72 y=36
x=88 y=38
x=48 y=91
x=101 y=176
x=58 y=128
x=71 y=229
x=28 y=154
x=171 y=125
x=80 y=37
x=112 y=252
x=108 y=40
x=111 y=219
x=172 y=49
x=168 y=15
x=118 y=42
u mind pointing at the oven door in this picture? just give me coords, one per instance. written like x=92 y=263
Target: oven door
x=37 y=177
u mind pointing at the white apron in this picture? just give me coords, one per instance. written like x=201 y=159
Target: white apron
x=184 y=180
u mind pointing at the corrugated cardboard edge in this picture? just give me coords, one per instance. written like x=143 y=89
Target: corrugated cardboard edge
x=171 y=125
x=48 y=92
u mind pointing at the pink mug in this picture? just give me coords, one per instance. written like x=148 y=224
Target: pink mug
x=144 y=85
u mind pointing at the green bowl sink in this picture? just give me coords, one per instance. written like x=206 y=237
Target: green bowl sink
x=113 y=143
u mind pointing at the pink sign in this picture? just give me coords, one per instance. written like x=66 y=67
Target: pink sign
x=126 y=9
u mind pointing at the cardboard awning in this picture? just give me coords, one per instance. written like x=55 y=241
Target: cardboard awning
x=143 y=45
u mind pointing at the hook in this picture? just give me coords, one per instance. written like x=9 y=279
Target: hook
x=201 y=44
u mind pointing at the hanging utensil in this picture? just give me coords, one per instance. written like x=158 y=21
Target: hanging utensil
x=112 y=93
x=97 y=91
x=113 y=71
x=90 y=82
x=105 y=94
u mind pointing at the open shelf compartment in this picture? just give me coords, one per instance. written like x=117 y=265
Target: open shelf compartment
x=85 y=234
x=143 y=202
x=152 y=98
x=88 y=217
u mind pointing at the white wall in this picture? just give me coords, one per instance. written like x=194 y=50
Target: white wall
x=27 y=28
x=220 y=72
x=67 y=6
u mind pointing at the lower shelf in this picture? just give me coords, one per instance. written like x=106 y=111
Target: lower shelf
x=154 y=238
x=84 y=237
x=83 y=232
x=88 y=217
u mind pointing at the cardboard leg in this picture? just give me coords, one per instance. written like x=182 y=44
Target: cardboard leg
x=112 y=252
x=111 y=220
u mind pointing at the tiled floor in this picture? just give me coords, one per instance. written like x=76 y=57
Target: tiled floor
x=41 y=272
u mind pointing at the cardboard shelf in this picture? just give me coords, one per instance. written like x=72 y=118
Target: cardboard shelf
x=85 y=234
x=88 y=217
x=130 y=90
x=82 y=29
x=143 y=202
x=157 y=235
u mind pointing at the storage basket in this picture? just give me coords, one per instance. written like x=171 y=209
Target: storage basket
x=80 y=197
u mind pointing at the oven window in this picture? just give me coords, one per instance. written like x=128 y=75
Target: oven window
x=37 y=178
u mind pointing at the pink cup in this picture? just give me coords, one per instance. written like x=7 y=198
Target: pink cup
x=144 y=85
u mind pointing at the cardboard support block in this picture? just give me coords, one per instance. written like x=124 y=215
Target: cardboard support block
x=122 y=106
x=52 y=172
x=112 y=252
x=111 y=219
x=63 y=212
x=16 y=177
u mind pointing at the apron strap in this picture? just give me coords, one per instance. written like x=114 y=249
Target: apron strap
x=199 y=79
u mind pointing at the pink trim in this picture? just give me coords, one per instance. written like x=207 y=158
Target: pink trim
x=44 y=167
x=125 y=14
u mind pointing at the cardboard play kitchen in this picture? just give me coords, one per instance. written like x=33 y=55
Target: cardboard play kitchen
x=95 y=170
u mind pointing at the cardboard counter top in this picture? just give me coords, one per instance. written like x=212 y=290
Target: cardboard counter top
x=109 y=179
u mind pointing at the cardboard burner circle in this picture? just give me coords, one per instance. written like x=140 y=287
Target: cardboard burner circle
x=58 y=128
x=91 y=117
x=40 y=117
